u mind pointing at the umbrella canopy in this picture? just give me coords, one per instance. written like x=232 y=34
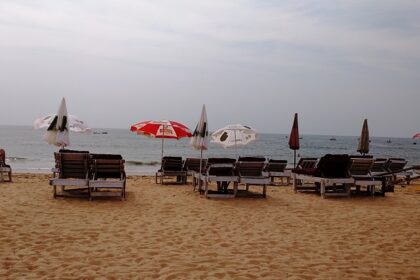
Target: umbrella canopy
x=294 y=138
x=161 y=129
x=363 y=146
x=73 y=122
x=199 y=140
x=234 y=135
x=58 y=126
x=416 y=136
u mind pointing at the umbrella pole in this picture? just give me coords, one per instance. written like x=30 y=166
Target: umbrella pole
x=294 y=158
x=161 y=154
x=199 y=174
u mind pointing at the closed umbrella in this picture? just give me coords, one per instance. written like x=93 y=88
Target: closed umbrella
x=58 y=126
x=294 y=138
x=199 y=140
x=234 y=135
x=161 y=129
x=363 y=146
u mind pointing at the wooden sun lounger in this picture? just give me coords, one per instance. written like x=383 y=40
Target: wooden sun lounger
x=251 y=173
x=222 y=174
x=330 y=178
x=171 y=167
x=74 y=172
x=360 y=171
x=277 y=169
x=108 y=177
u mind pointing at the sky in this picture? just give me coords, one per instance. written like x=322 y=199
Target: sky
x=254 y=62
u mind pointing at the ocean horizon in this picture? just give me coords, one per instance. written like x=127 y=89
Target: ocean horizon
x=27 y=152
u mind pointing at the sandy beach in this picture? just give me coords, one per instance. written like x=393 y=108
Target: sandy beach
x=170 y=232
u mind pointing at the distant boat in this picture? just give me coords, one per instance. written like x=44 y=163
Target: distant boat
x=98 y=132
x=300 y=137
x=388 y=141
x=333 y=139
x=414 y=143
x=104 y=132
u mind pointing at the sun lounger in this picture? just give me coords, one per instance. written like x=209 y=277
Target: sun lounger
x=73 y=171
x=360 y=169
x=198 y=179
x=305 y=163
x=223 y=174
x=251 y=173
x=171 y=167
x=330 y=177
x=277 y=169
x=107 y=176
x=192 y=166
x=4 y=168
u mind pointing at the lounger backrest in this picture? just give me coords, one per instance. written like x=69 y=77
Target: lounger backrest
x=275 y=165
x=361 y=166
x=172 y=164
x=73 y=165
x=250 y=168
x=253 y=159
x=395 y=164
x=333 y=166
x=379 y=165
x=193 y=164
x=306 y=163
x=107 y=166
x=221 y=169
x=211 y=161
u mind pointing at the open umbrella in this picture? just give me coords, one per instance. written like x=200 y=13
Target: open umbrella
x=58 y=126
x=294 y=138
x=234 y=135
x=416 y=136
x=161 y=129
x=363 y=146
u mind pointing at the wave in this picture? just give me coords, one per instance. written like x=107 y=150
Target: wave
x=136 y=162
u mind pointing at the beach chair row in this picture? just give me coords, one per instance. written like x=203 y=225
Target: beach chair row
x=182 y=169
x=339 y=175
x=83 y=174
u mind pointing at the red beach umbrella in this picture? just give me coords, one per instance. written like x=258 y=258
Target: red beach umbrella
x=294 y=138
x=161 y=129
x=416 y=136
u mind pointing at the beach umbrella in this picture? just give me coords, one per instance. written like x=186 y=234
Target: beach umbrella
x=416 y=136
x=294 y=138
x=234 y=135
x=363 y=146
x=199 y=140
x=161 y=129
x=58 y=126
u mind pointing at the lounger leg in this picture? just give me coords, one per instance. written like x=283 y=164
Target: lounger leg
x=55 y=191
x=322 y=188
x=264 y=191
x=235 y=189
x=206 y=189
x=294 y=183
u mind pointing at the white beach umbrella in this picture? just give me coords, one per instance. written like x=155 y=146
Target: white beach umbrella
x=234 y=135
x=59 y=125
x=199 y=140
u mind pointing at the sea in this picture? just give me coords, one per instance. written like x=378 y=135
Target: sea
x=27 y=152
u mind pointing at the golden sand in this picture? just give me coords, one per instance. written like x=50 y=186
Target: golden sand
x=170 y=232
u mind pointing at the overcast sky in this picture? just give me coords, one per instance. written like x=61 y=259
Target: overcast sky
x=256 y=62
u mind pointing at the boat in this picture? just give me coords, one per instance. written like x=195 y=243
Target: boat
x=388 y=141
x=333 y=139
